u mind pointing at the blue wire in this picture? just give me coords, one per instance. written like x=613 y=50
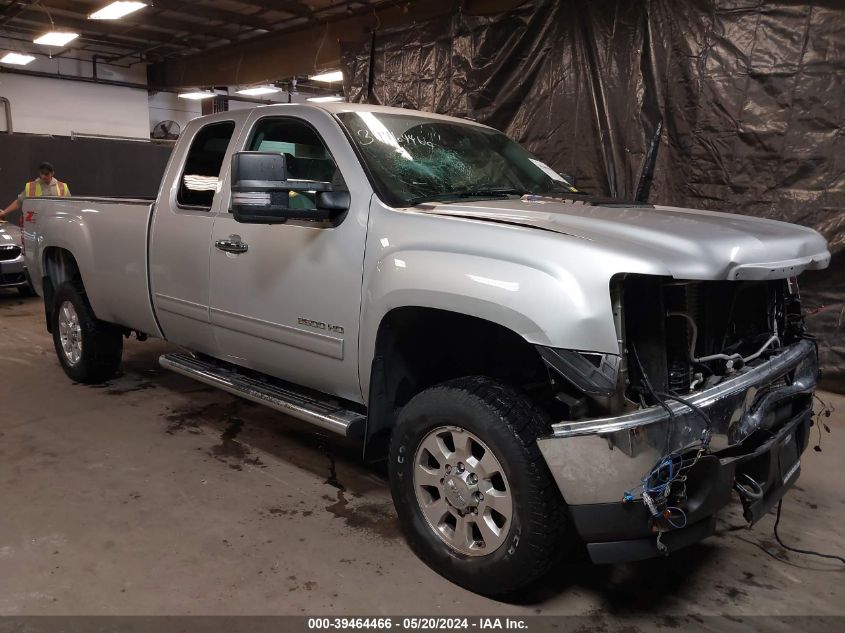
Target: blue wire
x=664 y=473
x=655 y=473
x=683 y=516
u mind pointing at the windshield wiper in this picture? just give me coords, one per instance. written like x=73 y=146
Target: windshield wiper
x=497 y=191
x=482 y=192
x=562 y=191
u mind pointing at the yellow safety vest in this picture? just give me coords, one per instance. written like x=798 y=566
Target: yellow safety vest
x=34 y=189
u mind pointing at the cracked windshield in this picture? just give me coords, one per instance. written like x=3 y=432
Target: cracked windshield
x=417 y=159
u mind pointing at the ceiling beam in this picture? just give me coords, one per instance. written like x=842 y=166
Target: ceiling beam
x=92 y=46
x=211 y=13
x=12 y=9
x=129 y=48
x=292 y=7
x=37 y=28
x=32 y=15
x=302 y=49
x=144 y=18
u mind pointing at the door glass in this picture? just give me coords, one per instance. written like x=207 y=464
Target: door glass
x=203 y=165
x=305 y=155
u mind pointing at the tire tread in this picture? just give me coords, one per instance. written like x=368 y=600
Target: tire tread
x=549 y=536
x=102 y=342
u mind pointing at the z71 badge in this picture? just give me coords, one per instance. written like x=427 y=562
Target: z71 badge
x=319 y=325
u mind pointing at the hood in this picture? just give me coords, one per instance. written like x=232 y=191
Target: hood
x=690 y=244
x=9 y=234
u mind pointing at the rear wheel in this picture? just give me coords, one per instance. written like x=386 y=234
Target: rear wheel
x=473 y=493
x=89 y=350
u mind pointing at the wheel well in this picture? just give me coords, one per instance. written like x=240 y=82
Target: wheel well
x=58 y=266
x=417 y=348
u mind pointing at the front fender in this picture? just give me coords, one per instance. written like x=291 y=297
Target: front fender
x=546 y=307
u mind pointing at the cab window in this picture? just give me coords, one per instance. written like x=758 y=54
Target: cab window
x=305 y=155
x=203 y=165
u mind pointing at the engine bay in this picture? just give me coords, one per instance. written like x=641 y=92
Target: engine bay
x=684 y=336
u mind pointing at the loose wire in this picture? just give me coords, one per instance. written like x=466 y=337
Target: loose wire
x=697 y=410
x=809 y=552
x=654 y=395
x=683 y=515
x=647 y=383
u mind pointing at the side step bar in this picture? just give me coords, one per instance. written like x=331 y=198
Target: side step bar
x=323 y=413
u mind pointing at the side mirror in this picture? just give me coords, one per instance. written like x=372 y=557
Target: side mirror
x=339 y=201
x=261 y=192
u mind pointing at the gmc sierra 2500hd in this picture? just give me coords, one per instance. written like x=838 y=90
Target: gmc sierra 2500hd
x=536 y=365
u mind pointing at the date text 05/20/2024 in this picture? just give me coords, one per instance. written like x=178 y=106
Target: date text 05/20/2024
x=415 y=624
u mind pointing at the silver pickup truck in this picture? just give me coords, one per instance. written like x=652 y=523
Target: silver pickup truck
x=539 y=367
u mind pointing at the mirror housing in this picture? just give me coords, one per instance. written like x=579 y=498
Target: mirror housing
x=339 y=201
x=261 y=191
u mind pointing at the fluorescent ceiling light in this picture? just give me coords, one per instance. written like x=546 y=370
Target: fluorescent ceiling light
x=332 y=75
x=117 y=10
x=17 y=58
x=259 y=90
x=56 y=38
x=324 y=99
x=197 y=94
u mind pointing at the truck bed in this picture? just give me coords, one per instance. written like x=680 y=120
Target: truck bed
x=108 y=238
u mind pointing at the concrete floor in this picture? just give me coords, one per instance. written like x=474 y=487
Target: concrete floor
x=156 y=495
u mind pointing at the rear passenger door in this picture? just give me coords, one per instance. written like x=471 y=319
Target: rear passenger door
x=181 y=235
x=289 y=306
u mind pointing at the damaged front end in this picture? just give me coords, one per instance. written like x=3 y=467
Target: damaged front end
x=712 y=393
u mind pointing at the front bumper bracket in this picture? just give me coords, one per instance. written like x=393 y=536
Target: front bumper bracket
x=760 y=418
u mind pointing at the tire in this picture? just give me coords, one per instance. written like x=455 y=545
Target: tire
x=89 y=350
x=532 y=535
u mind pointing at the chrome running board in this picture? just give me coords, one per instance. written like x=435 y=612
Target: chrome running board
x=326 y=414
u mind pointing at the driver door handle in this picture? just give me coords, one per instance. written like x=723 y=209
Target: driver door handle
x=232 y=245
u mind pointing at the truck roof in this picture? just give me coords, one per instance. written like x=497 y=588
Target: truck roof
x=333 y=108
x=339 y=107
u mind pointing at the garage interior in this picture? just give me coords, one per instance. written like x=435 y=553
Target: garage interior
x=152 y=494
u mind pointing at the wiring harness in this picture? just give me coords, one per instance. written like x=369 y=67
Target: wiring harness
x=663 y=488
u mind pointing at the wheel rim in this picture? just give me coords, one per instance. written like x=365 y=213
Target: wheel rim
x=70 y=333
x=462 y=491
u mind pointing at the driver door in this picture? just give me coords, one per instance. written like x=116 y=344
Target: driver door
x=289 y=305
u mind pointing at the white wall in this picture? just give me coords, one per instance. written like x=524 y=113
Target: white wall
x=136 y=73
x=60 y=107
x=166 y=106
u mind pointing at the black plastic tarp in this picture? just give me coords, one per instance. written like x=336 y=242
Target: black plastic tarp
x=737 y=106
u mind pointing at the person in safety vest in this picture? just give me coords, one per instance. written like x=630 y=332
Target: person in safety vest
x=45 y=185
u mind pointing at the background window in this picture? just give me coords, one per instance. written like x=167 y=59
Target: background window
x=305 y=154
x=203 y=165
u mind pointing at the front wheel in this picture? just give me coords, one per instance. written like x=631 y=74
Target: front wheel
x=89 y=350
x=473 y=494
